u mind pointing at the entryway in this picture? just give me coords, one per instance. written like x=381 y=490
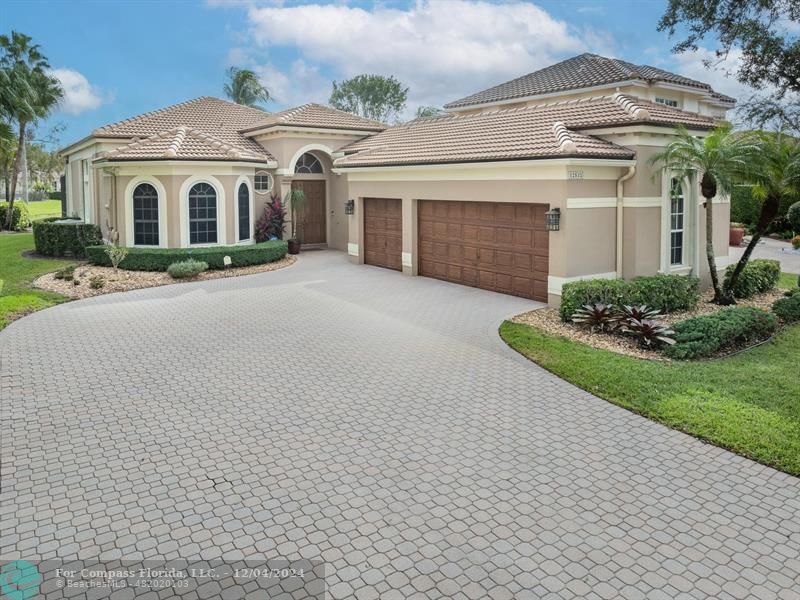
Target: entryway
x=313 y=226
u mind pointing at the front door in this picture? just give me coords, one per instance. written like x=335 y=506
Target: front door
x=311 y=224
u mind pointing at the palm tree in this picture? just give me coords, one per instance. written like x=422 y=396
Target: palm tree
x=720 y=159
x=776 y=176
x=29 y=93
x=243 y=87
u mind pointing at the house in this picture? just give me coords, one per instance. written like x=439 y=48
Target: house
x=519 y=188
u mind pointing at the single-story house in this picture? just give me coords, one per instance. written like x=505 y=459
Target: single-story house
x=519 y=188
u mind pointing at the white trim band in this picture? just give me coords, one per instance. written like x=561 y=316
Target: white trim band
x=609 y=202
x=644 y=202
x=554 y=284
x=352 y=249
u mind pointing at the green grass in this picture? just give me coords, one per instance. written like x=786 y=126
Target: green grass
x=43 y=209
x=748 y=403
x=16 y=274
x=788 y=281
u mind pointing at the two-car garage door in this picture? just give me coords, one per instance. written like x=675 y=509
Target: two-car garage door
x=501 y=247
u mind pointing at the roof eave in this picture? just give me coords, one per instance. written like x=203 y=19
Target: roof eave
x=618 y=161
x=106 y=162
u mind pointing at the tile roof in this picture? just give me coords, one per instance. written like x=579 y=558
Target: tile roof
x=183 y=143
x=221 y=119
x=585 y=70
x=317 y=115
x=552 y=130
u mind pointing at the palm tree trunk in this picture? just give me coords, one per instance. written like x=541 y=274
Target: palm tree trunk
x=719 y=298
x=14 y=172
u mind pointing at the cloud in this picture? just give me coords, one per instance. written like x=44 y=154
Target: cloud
x=302 y=84
x=79 y=94
x=441 y=49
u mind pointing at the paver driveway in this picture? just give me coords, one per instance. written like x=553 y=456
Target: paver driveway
x=373 y=420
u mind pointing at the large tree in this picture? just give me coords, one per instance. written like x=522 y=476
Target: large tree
x=371 y=96
x=244 y=87
x=719 y=159
x=30 y=93
x=765 y=31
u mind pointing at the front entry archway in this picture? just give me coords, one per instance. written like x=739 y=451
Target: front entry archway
x=312 y=225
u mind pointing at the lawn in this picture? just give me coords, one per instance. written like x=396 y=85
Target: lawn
x=42 y=209
x=16 y=274
x=749 y=403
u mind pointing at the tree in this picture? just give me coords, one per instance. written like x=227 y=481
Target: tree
x=428 y=111
x=720 y=159
x=243 y=87
x=776 y=177
x=371 y=96
x=764 y=30
x=31 y=93
x=767 y=112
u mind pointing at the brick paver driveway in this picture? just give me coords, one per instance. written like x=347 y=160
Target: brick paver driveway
x=375 y=421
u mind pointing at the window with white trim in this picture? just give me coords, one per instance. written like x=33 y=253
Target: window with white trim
x=202 y=214
x=244 y=212
x=677 y=223
x=667 y=102
x=145 y=215
x=262 y=182
x=308 y=163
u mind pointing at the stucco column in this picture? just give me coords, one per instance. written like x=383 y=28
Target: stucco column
x=409 y=224
x=355 y=232
x=285 y=190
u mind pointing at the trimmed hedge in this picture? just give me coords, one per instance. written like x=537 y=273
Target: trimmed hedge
x=63 y=239
x=758 y=276
x=666 y=293
x=699 y=337
x=187 y=268
x=159 y=259
x=21 y=218
x=788 y=309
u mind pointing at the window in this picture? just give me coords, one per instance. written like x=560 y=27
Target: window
x=145 y=215
x=677 y=223
x=667 y=102
x=202 y=214
x=244 y=212
x=308 y=163
x=262 y=182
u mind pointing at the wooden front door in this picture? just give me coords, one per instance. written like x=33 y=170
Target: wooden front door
x=312 y=227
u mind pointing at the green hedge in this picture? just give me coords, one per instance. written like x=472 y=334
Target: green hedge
x=788 y=308
x=666 y=293
x=699 y=337
x=758 y=276
x=159 y=259
x=21 y=218
x=63 y=239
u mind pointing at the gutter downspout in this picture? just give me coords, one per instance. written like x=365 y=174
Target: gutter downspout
x=620 y=216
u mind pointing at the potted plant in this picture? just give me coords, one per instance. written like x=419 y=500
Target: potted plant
x=736 y=234
x=296 y=201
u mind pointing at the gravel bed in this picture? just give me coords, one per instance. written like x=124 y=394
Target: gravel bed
x=122 y=281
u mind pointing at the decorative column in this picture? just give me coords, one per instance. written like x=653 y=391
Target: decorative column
x=285 y=191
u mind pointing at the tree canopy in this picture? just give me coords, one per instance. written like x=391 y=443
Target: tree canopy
x=244 y=87
x=371 y=96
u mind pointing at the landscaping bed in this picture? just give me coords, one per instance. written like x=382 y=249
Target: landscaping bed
x=122 y=281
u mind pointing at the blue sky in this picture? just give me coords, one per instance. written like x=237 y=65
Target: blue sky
x=119 y=59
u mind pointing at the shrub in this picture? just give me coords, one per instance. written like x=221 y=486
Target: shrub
x=703 y=336
x=788 y=309
x=20 y=220
x=796 y=242
x=638 y=313
x=61 y=239
x=758 y=276
x=159 y=259
x=269 y=225
x=116 y=254
x=745 y=208
x=97 y=282
x=664 y=293
x=67 y=273
x=793 y=216
x=597 y=317
x=186 y=268
x=648 y=332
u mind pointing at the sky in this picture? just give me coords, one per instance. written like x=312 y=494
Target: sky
x=119 y=59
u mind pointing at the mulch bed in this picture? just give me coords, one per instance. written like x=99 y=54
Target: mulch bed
x=548 y=321
x=122 y=281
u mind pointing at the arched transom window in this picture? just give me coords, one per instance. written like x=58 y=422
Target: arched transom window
x=145 y=215
x=677 y=223
x=244 y=212
x=308 y=163
x=202 y=214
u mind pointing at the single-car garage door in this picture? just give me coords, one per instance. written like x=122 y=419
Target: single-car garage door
x=383 y=231
x=501 y=247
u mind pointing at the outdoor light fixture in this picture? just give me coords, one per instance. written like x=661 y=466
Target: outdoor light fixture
x=350 y=207
x=553 y=219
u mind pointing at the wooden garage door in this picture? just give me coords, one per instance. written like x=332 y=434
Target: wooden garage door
x=383 y=230
x=495 y=246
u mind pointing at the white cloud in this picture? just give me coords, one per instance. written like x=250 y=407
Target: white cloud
x=441 y=49
x=79 y=94
x=302 y=84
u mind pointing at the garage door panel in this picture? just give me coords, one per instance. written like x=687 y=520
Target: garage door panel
x=383 y=232
x=496 y=246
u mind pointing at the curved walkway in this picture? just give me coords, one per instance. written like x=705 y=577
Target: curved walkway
x=373 y=420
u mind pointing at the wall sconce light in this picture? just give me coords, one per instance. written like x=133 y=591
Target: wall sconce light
x=553 y=219
x=350 y=207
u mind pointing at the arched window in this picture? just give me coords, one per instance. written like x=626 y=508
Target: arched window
x=145 y=215
x=202 y=214
x=677 y=223
x=308 y=163
x=244 y=212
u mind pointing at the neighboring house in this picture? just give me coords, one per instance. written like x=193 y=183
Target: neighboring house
x=470 y=196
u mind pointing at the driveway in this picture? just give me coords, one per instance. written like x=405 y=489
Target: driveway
x=769 y=248
x=376 y=422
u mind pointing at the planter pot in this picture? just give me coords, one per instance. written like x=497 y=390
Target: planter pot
x=294 y=247
x=736 y=236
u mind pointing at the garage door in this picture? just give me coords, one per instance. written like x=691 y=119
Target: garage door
x=383 y=230
x=495 y=246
